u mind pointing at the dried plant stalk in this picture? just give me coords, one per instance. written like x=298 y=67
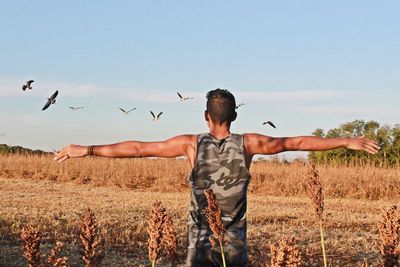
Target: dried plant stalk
x=213 y=213
x=53 y=258
x=155 y=230
x=314 y=191
x=162 y=233
x=389 y=228
x=92 y=254
x=285 y=254
x=31 y=248
x=169 y=241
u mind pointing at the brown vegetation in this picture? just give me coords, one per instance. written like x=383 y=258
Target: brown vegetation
x=92 y=254
x=169 y=238
x=314 y=191
x=213 y=213
x=171 y=175
x=51 y=196
x=54 y=260
x=31 y=248
x=389 y=228
x=285 y=254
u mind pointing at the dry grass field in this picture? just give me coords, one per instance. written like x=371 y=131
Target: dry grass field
x=35 y=190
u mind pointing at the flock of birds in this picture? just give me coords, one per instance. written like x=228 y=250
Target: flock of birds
x=52 y=100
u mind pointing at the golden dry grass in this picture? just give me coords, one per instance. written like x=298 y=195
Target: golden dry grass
x=170 y=175
x=37 y=191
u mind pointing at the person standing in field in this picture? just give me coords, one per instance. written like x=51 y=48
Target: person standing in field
x=219 y=160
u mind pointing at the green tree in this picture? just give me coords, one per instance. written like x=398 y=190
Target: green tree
x=387 y=137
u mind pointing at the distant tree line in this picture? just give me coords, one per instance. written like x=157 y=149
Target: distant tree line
x=5 y=149
x=388 y=138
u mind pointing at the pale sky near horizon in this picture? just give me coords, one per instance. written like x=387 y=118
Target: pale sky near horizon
x=301 y=64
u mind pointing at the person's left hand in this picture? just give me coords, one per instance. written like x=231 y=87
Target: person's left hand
x=362 y=143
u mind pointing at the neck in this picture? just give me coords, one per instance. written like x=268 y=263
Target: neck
x=220 y=131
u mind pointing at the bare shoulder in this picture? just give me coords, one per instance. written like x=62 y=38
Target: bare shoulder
x=255 y=143
x=186 y=141
x=184 y=138
x=255 y=138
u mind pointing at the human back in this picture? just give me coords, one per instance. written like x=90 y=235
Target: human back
x=220 y=165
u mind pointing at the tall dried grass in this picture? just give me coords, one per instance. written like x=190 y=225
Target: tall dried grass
x=171 y=175
x=54 y=206
x=314 y=191
x=389 y=229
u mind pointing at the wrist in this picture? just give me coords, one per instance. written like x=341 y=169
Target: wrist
x=346 y=142
x=89 y=150
x=85 y=151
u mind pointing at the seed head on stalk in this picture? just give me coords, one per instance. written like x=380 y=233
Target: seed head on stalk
x=92 y=255
x=314 y=191
x=53 y=258
x=389 y=229
x=162 y=234
x=31 y=248
x=213 y=213
x=169 y=241
x=286 y=253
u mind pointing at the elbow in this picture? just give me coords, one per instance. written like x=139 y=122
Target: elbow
x=300 y=144
x=139 y=153
x=295 y=144
x=135 y=150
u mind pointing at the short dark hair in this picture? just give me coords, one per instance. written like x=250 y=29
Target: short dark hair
x=221 y=106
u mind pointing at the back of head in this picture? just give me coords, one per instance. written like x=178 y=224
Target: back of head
x=221 y=106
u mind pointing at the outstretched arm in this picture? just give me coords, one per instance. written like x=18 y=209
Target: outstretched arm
x=174 y=147
x=261 y=144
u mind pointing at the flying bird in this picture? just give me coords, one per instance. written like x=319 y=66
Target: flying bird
x=270 y=123
x=183 y=98
x=76 y=108
x=27 y=85
x=126 y=112
x=50 y=100
x=241 y=104
x=155 y=118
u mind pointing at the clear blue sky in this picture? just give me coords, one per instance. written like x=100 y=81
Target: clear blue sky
x=302 y=64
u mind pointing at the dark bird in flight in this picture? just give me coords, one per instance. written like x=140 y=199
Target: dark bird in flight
x=50 y=100
x=126 y=112
x=27 y=85
x=270 y=123
x=241 y=104
x=155 y=118
x=76 y=108
x=183 y=98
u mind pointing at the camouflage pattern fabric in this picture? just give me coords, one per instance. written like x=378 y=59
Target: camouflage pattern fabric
x=220 y=165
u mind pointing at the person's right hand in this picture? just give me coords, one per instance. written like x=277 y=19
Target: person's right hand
x=71 y=151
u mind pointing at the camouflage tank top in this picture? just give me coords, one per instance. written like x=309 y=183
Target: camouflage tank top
x=220 y=165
